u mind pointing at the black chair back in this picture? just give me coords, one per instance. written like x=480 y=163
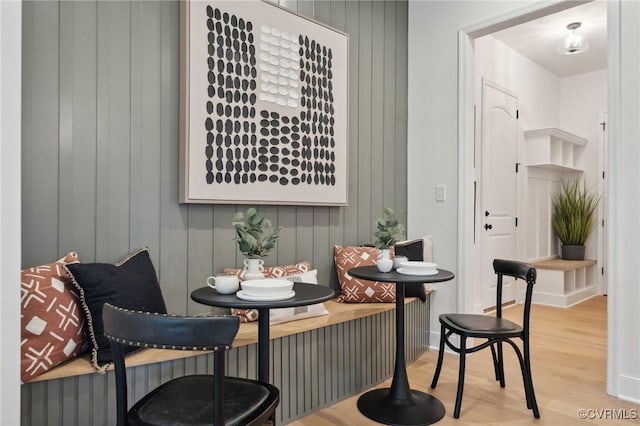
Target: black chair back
x=515 y=269
x=164 y=331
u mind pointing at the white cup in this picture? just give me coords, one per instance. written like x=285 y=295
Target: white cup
x=224 y=284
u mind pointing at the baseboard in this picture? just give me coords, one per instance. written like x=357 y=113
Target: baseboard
x=629 y=388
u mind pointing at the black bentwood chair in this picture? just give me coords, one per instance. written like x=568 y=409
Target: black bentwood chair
x=188 y=400
x=496 y=330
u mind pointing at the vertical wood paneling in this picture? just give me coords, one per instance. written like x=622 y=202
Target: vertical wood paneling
x=172 y=269
x=401 y=76
x=389 y=105
x=224 y=248
x=352 y=24
x=40 y=109
x=365 y=133
x=100 y=176
x=322 y=253
x=304 y=233
x=78 y=61
x=113 y=131
x=287 y=253
x=376 y=93
x=146 y=42
x=200 y=250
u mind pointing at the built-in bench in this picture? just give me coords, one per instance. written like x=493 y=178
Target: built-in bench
x=315 y=362
x=247 y=335
x=564 y=282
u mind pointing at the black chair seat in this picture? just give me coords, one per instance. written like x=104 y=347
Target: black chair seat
x=189 y=400
x=480 y=325
x=193 y=399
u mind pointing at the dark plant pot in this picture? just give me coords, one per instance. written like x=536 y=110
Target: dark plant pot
x=572 y=252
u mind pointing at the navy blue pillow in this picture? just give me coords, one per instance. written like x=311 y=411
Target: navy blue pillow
x=130 y=284
x=413 y=250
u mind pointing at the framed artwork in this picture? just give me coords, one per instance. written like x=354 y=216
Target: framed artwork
x=263 y=106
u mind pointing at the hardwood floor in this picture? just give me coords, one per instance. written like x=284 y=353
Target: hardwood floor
x=569 y=369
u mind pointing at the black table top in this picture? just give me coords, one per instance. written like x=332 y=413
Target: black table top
x=306 y=294
x=371 y=273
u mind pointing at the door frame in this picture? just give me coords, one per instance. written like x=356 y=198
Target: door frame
x=468 y=290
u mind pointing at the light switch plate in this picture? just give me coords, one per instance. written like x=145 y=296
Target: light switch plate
x=441 y=192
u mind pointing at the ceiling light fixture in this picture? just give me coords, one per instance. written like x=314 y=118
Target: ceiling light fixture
x=573 y=43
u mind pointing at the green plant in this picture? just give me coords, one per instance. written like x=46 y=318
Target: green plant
x=388 y=231
x=254 y=233
x=573 y=213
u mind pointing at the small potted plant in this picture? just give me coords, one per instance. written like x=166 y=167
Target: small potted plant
x=573 y=217
x=388 y=232
x=256 y=237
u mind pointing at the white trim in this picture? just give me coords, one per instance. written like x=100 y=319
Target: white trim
x=629 y=388
x=10 y=243
x=467 y=250
x=613 y=106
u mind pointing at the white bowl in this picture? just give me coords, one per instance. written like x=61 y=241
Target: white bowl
x=267 y=287
x=415 y=266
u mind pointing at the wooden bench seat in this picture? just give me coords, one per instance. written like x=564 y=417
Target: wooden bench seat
x=247 y=335
x=564 y=282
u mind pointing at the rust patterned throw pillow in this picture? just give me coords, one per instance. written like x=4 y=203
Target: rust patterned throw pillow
x=356 y=290
x=52 y=325
x=248 y=315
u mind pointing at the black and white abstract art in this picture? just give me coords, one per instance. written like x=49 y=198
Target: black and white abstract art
x=264 y=106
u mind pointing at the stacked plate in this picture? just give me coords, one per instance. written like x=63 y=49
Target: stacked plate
x=417 y=268
x=265 y=290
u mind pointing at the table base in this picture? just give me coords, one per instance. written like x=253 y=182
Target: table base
x=420 y=409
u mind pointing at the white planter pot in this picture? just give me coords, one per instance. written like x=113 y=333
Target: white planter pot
x=384 y=262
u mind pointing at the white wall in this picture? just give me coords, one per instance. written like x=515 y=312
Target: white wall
x=583 y=101
x=10 y=85
x=433 y=159
x=623 y=83
x=537 y=88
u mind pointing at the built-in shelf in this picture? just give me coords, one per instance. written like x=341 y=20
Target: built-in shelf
x=564 y=282
x=554 y=149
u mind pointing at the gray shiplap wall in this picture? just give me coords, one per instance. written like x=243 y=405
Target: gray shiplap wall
x=100 y=141
x=100 y=151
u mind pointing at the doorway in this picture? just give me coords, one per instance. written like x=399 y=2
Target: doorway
x=550 y=97
x=469 y=293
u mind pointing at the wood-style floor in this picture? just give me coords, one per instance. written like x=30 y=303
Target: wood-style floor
x=569 y=349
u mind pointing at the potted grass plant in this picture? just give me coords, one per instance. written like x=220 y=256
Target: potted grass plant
x=574 y=210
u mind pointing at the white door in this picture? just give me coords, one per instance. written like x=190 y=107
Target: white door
x=498 y=214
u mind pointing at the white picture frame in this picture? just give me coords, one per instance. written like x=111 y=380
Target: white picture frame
x=263 y=106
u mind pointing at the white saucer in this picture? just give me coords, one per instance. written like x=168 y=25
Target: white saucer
x=417 y=272
x=266 y=297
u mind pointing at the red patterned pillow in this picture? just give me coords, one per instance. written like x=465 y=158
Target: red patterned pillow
x=248 y=315
x=276 y=271
x=356 y=290
x=52 y=326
